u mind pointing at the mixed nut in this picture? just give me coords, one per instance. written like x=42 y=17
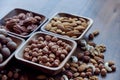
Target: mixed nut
x=47 y=50
x=68 y=26
x=22 y=23
x=86 y=65
x=7 y=45
x=12 y=74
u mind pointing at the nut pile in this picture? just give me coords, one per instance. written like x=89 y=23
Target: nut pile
x=47 y=50
x=88 y=64
x=7 y=46
x=22 y=24
x=12 y=74
x=68 y=26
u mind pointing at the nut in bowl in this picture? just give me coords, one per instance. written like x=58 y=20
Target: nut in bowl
x=46 y=52
x=22 y=23
x=68 y=25
x=9 y=44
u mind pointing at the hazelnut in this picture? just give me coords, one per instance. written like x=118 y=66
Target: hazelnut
x=34 y=59
x=83 y=74
x=111 y=63
x=86 y=59
x=48 y=38
x=54 y=39
x=67 y=66
x=4 y=77
x=62 y=56
x=69 y=74
x=68 y=48
x=96 y=33
x=86 y=53
x=113 y=68
x=91 y=36
x=88 y=74
x=59 y=42
x=103 y=72
x=44 y=59
x=10 y=74
x=12 y=45
x=97 y=71
x=80 y=56
x=40 y=38
x=16 y=75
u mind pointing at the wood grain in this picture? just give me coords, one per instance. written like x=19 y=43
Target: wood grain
x=105 y=13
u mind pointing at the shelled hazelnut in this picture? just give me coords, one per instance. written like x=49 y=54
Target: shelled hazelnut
x=47 y=50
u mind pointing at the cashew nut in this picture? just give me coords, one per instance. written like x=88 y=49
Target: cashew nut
x=65 y=77
x=89 y=47
x=74 y=59
x=107 y=67
x=91 y=66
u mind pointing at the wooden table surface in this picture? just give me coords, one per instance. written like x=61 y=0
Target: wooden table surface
x=105 y=13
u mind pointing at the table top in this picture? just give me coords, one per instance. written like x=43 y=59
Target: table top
x=105 y=13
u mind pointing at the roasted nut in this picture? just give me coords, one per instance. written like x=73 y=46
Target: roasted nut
x=113 y=68
x=16 y=75
x=83 y=74
x=4 y=77
x=97 y=71
x=67 y=26
x=76 y=74
x=111 y=63
x=103 y=72
x=91 y=36
x=10 y=74
x=23 y=24
x=82 y=67
x=1 y=58
x=86 y=59
x=5 y=52
x=73 y=69
x=96 y=33
x=67 y=66
x=80 y=56
x=69 y=74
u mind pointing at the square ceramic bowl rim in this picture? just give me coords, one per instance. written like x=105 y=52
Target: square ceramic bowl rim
x=10 y=57
x=76 y=39
x=43 y=66
x=45 y=20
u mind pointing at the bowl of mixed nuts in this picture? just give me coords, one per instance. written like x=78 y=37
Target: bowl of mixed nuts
x=22 y=22
x=68 y=25
x=46 y=52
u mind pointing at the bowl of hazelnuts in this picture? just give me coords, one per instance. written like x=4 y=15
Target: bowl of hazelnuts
x=22 y=22
x=46 y=52
x=9 y=44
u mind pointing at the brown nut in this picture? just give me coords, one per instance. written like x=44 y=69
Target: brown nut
x=103 y=72
x=113 y=68
x=91 y=36
x=69 y=74
x=82 y=67
x=86 y=59
x=83 y=74
x=97 y=71
x=111 y=63
x=80 y=56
